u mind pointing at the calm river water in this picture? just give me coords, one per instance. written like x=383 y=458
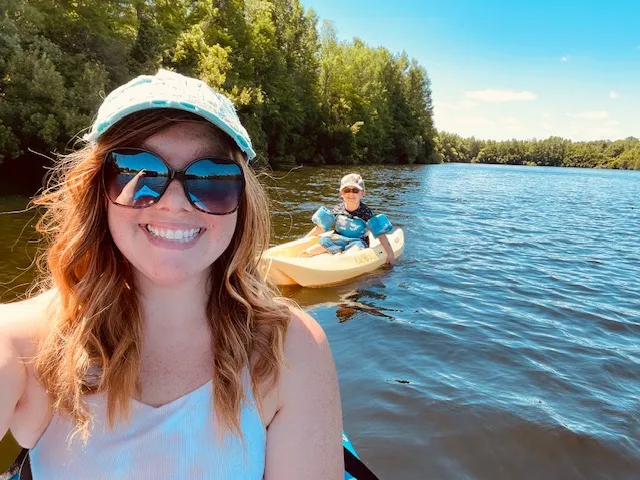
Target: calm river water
x=504 y=344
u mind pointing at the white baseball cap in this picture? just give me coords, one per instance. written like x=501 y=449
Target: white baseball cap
x=352 y=180
x=168 y=89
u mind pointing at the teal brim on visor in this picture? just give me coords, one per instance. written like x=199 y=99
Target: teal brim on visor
x=168 y=89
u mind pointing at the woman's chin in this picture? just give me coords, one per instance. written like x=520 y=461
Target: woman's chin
x=166 y=276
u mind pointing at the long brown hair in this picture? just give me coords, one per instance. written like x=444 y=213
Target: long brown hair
x=95 y=336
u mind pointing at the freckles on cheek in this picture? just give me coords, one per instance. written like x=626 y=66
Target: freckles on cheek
x=223 y=227
x=220 y=235
x=122 y=228
x=114 y=228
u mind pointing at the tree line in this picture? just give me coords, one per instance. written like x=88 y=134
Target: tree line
x=553 y=151
x=304 y=96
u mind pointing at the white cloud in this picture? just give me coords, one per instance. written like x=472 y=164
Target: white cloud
x=546 y=115
x=474 y=121
x=491 y=95
x=458 y=105
x=591 y=115
x=510 y=121
x=565 y=59
x=614 y=95
x=466 y=104
x=604 y=132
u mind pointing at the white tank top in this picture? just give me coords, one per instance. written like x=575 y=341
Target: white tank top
x=175 y=441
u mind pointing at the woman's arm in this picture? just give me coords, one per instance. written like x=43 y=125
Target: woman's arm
x=127 y=196
x=13 y=373
x=24 y=403
x=304 y=439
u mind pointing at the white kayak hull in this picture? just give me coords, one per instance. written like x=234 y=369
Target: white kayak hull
x=283 y=266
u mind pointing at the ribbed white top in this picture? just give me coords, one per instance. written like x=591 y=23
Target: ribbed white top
x=175 y=441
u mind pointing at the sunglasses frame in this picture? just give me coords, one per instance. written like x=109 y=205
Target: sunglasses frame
x=174 y=174
x=350 y=190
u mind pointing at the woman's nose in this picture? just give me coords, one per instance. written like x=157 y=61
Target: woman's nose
x=174 y=198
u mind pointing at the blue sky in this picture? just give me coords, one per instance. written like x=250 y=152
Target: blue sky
x=513 y=69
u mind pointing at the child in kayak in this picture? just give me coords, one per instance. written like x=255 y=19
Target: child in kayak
x=351 y=220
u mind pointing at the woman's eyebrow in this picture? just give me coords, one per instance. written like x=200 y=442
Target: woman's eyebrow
x=211 y=151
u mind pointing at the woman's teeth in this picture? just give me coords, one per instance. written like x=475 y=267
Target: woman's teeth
x=181 y=236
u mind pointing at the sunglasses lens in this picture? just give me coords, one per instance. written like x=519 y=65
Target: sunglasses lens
x=214 y=187
x=134 y=178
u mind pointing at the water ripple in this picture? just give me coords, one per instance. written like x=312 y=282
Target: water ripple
x=506 y=342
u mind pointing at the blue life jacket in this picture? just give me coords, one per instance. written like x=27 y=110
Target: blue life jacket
x=352 y=227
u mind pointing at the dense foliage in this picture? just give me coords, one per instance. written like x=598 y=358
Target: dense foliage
x=553 y=151
x=305 y=97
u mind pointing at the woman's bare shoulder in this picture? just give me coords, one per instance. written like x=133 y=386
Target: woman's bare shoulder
x=307 y=352
x=24 y=321
x=304 y=333
x=307 y=427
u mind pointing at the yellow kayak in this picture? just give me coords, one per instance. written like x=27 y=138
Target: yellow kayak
x=283 y=266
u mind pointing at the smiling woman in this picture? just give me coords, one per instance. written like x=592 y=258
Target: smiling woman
x=190 y=232
x=158 y=349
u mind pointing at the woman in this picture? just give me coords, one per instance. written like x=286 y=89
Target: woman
x=156 y=350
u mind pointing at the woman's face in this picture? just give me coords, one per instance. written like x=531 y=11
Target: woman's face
x=171 y=241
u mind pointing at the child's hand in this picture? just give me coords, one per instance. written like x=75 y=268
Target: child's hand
x=390 y=259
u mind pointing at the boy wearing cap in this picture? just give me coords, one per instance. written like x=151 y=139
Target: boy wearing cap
x=351 y=220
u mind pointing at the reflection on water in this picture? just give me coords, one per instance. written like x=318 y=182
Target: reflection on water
x=355 y=302
x=345 y=299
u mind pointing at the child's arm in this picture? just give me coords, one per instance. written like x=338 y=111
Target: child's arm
x=387 y=248
x=323 y=220
x=379 y=226
x=315 y=231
